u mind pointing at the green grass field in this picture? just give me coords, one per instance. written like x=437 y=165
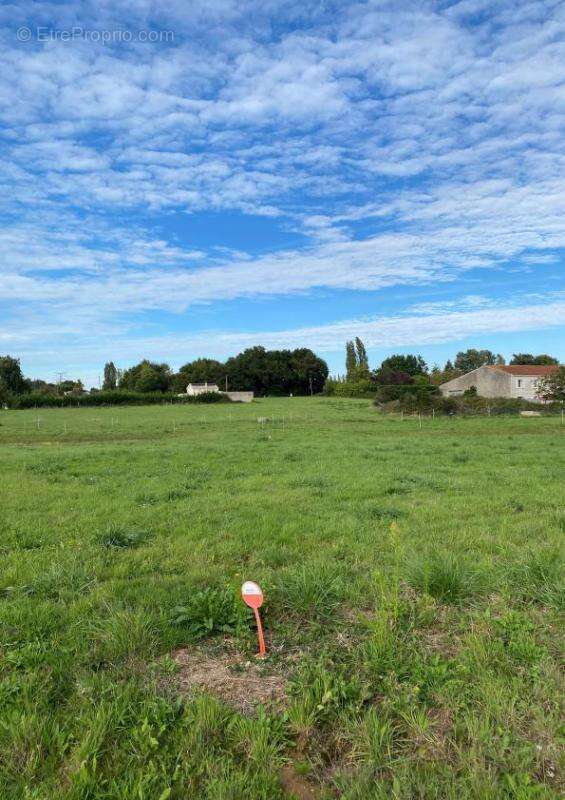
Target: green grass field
x=413 y=599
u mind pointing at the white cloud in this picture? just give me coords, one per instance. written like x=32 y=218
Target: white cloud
x=417 y=328
x=407 y=144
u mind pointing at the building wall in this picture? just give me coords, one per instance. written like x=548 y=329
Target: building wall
x=240 y=397
x=525 y=387
x=488 y=382
x=196 y=389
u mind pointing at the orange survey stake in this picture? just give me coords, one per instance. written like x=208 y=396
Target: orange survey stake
x=252 y=596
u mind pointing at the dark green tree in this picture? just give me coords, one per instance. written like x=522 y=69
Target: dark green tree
x=276 y=371
x=385 y=376
x=471 y=359
x=202 y=370
x=528 y=358
x=308 y=371
x=42 y=387
x=110 y=376
x=351 y=362
x=11 y=377
x=362 y=359
x=147 y=376
x=409 y=364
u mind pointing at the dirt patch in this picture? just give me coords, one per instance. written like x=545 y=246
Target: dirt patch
x=296 y=786
x=240 y=682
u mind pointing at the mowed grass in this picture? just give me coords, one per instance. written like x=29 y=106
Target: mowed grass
x=413 y=582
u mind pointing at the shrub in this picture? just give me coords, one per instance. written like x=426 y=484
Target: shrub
x=420 y=398
x=208 y=612
x=360 y=389
x=117 y=397
x=407 y=392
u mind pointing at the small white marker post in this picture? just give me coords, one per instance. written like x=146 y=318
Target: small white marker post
x=252 y=596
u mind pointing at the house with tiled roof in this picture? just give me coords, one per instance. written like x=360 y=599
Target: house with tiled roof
x=499 y=380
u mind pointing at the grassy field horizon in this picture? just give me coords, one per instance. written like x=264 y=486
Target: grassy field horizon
x=414 y=598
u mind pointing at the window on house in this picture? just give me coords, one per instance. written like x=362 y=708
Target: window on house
x=519 y=383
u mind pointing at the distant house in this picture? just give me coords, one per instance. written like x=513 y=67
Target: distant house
x=497 y=380
x=194 y=389
x=201 y=388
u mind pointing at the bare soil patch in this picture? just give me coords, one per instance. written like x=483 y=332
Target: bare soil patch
x=240 y=682
x=297 y=786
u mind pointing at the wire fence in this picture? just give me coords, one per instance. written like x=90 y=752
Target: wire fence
x=115 y=424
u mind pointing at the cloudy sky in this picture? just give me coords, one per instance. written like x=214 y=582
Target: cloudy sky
x=183 y=179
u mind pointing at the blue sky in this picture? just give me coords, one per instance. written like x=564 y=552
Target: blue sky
x=226 y=173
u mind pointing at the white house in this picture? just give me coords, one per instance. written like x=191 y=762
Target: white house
x=499 y=380
x=194 y=389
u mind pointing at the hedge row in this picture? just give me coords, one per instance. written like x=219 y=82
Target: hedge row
x=468 y=406
x=370 y=389
x=112 y=398
x=398 y=391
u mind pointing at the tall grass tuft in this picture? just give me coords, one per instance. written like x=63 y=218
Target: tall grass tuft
x=119 y=536
x=540 y=577
x=445 y=577
x=310 y=593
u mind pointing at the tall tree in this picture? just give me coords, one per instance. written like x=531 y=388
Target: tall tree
x=202 y=370
x=309 y=371
x=11 y=377
x=410 y=364
x=362 y=359
x=277 y=371
x=147 y=376
x=110 y=376
x=468 y=360
x=350 y=361
x=528 y=358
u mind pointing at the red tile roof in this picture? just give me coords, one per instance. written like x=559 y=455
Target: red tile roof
x=527 y=369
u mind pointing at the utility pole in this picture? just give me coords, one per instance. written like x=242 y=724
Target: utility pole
x=226 y=383
x=59 y=379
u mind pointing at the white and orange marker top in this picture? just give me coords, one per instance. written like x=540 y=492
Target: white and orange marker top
x=252 y=596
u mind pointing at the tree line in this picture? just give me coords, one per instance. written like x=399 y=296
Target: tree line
x=408 y=375
x=275 y=372
x=283 y=372
x=256 y=369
